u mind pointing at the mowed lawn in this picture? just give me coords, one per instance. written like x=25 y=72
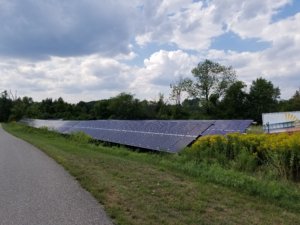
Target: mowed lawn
x=136 y=188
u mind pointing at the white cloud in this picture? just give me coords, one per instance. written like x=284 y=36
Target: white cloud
x=247 y=18
x=74 y=78
x=96 y=77
x=192 y=25
x=160 y=70
x=187 y=24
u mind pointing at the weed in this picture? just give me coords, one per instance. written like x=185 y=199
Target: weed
x=80 y=137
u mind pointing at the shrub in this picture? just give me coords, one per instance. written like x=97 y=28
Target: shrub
x=80 y=137
x=279 y=152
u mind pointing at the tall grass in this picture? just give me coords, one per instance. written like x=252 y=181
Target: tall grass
x=269 y=153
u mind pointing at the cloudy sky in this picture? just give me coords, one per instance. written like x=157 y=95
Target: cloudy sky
x=95 y=49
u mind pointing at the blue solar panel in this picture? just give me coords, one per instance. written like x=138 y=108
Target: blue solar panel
x=159 y=135
x=228 y=126
x=170 y=136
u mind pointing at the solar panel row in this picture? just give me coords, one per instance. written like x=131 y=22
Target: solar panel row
x=227 y=126
x=160 y=135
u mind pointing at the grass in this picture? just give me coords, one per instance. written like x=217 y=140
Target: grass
x=255 y=129
x=147 y=188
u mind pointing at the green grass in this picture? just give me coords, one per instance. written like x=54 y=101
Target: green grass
x=147 y=188
x=255 y=129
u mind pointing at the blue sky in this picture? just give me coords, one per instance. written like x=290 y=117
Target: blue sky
x=91 y=49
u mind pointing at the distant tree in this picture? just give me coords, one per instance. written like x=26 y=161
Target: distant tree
x=294 y=102
x=19 y=109
x=82 y=111
x=101 y=109
x=60 y=106
x=178 y=88
x=47 y=109
x=6 y=105
x=211 y=82
x=62 y=109
x=263 y=98
x=124 y=106
x=34 y=111
x=234 y=102
x=179 y=112
x=146 y=110
x=191 y=105
x=161 y=109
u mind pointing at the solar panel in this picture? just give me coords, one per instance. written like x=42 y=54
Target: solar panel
x=160 y=135
x=224 y=127
x=166 y=135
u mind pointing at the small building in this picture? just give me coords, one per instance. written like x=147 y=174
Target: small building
x=281 y=122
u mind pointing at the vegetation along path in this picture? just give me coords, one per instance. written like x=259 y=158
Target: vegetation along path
x=35 y=190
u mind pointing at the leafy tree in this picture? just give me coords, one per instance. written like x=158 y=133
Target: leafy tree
x=192 y=107
x=182 y=85
x=83 y=110
x=263 y=98
x=179 y=112
x=294 y=102
x=62 y=109
x=233 y=105
x=147 y=110
x=33 y=111
x=211 y=82
x=124 y=106
x=47 y=109
x=6 y=105
x=19 y=108
x=162 y=110
x=101 y=110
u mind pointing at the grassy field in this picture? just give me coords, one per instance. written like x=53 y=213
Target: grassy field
x=149 y=188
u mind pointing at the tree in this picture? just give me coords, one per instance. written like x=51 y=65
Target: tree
x=19 y=109
x=161 y=108
x=192 y=107
x=124 y=106
x=233 y=105
x=82 y=111
x=294 y=102
x=33 y=111
x=182 y=85
x=100 y=109
x=263 y=98
x=5 y=106
x=62 y=109
x=46 y=108
x=24 y=107
x=211 y=82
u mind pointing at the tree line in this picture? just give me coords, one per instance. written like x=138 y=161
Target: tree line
x=213 y=93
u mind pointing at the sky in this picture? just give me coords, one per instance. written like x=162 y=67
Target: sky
x=83 y=50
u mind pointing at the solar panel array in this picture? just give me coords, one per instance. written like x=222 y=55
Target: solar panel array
x=224 y=127
x=160 y=135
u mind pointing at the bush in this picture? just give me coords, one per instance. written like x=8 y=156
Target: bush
x=80 y=137
x=251 y=152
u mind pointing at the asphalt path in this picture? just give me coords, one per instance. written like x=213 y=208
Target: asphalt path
x=35 y=190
